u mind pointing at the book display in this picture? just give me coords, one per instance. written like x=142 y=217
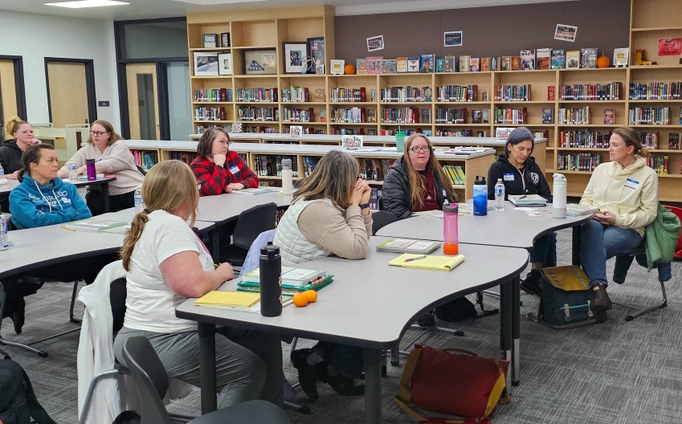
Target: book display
x=556 y=93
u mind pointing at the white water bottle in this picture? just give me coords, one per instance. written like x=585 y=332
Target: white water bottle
x=499 y=195
x=559 y=201
x=287 y=177
x=139 y=203
x=73 y=173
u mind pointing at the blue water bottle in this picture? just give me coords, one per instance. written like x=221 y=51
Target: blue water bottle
x=480 y=197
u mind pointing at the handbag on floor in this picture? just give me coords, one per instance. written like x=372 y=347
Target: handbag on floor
x=566 y=298
x=452 y=381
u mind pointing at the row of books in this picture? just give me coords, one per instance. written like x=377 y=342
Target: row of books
x=354 y=114
x=258 y=94
x=405 y=115
x=607 y=91
x=574 y=116
x=510 y=116
x=271 y=166
x=512 y=93
x=455 y=173
x=295 y=94
x=578 y=162
x=451 y=116
x=652 y=140
x=209 y=114
x=459 y=93
x=464 y=132
x=252 y=113
x=358 y=94
x=375 y=169
x=407 y=94
x=649 y=116
x=213 y=95
x=546 y=58
x=145 y=159
x=658 y=163
x=588 y=139
x=293 y=114
x=309 y=164
x=184 y=156
x=305 y=130
x=656 y=91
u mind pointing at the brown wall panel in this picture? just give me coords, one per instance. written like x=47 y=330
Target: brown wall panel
x=487 y=31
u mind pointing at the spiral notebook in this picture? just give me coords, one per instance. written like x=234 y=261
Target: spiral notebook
x=439 y=263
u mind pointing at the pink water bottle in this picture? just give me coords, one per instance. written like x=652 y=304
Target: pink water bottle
x=450 y=230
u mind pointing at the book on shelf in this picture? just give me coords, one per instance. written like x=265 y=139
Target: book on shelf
x=440 y=65
x=464 y=63
x=503 y=133
x=674 y=141
x=527 y=59
x=572 y=59
x=373 y=64
x=228 y=299
x=398 y=245
x=481 y=133
x=426 y=63
x=474 y=64
x=558 y=59
x=94 y=225
x=413 y=64
x=609 y=116
x=516 y=63
x=291 y=276
x=543 y=58
x=588 y=57
x=361 y=66
x=527 y=200
x=547 y=115
x=476 y=117
x=449 y=65
x=388 y=66
x=550 y=92
x=254 y=191
x=505 y=63
x=401 y=65
x=494 y=63
x=432 y=262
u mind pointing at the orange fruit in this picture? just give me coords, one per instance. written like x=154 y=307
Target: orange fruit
x=300 y=299
x=311 y=295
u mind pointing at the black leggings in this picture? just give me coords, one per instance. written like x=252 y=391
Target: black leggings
x=95 y=200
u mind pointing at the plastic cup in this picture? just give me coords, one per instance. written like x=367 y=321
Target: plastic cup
x=399 y=141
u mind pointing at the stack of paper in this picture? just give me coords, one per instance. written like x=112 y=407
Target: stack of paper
x=93 y=224
x=527 y=200
x=396 y=245
x=228 y=299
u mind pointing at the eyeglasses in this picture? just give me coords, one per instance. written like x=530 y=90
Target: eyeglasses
x=98 y=133
x=419 y=149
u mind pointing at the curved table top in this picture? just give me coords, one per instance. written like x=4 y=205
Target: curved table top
x=228 y=206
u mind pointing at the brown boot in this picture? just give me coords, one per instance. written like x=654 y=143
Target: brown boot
x=601 y=298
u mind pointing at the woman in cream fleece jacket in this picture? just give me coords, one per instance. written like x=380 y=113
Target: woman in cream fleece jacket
x=626 y=192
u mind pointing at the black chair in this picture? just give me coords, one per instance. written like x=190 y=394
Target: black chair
x=380 y=219
x=151 y=381
x=250 y=224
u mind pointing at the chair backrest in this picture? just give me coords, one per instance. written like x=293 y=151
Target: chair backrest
x=251 y=261
x=381 y=218
x=252 y=222
x=150 y=379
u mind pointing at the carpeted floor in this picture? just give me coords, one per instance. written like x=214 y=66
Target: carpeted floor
x=616 y=372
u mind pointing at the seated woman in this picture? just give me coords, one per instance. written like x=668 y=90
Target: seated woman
x=112 y=156
x=11 y=151
x=416 y=182
x=217 y=168
x=43 y=199
x=329 y=215
x=521 y=175
x=167 y=263
x=626 y=192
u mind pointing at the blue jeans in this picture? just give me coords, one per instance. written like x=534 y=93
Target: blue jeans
x=544 y=250
x=599 y=243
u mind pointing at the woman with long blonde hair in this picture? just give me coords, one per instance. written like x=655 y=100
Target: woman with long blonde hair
x=167 y=263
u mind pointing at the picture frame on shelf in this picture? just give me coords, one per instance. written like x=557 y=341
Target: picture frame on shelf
x=205 y=64
x=336 y=66
x=225 y=39
x=621 y=56
x=295 y=130
x=295 y=54
x=260 y=62
x=209 y=41
x=316 y=49
x=224 y=64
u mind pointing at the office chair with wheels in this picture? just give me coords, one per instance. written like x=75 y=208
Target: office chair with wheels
x=151 y=381
x=250 y=224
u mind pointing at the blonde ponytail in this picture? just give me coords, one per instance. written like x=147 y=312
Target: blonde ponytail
x=13 y=125
x=132 y=236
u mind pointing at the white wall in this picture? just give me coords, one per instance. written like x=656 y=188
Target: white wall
x=35 y=37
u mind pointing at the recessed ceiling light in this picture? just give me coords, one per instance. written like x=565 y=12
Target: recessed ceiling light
x=80 y=4
x=216 y=2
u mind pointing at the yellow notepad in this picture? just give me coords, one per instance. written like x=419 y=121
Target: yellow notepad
x=439 y=263
x=228 y=299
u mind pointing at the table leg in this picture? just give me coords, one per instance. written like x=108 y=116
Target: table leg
x=372 y=359
x=506 y=323
x=215 y=245
x=209 y=402
x=105 y=193
x=516 y=331
x=576 y=245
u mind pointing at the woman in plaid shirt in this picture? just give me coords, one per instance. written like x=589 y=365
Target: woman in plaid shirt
x=218 y=169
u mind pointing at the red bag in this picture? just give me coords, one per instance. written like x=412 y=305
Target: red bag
x=464 y=385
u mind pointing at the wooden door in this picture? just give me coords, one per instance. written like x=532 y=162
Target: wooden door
x=8 y=95
x=143 y=107
x=68 y=90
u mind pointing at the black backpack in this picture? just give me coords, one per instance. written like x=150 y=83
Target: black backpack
x=18 y=403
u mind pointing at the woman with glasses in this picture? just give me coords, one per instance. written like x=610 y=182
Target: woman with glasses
x=416 y=182
x=112 y=156
x=217 y=169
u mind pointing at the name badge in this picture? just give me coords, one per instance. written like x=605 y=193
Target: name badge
x=632 y=184
x=65 y=200
x=234 y=170
x=509 y=176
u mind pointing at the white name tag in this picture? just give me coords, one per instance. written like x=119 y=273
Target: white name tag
x=633 y=184
x=234 y=170
x=508 y=176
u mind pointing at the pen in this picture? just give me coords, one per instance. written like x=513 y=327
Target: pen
x=522 y=197
x=416 y=258
x=67 y=228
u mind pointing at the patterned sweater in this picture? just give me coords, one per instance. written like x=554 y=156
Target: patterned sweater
x=214 y=179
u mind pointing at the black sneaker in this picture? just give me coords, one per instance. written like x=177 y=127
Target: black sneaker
x=531 y=284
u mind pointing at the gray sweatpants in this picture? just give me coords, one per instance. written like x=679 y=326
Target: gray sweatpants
x=248 y=363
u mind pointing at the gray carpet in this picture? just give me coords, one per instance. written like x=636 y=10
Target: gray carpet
x=616 y=372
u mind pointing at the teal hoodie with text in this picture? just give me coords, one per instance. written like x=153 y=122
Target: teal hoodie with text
x=35 y=205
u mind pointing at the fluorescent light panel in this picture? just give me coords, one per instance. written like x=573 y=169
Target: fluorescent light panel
x=80 y=4
x=215 y=2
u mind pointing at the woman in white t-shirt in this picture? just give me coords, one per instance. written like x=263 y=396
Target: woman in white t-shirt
x=167 y=263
